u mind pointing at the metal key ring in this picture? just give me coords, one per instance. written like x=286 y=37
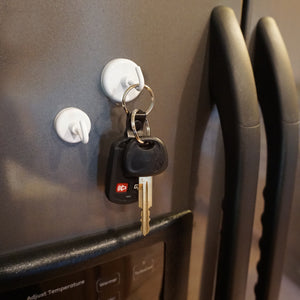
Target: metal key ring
x=133 y=127
x=133 y=87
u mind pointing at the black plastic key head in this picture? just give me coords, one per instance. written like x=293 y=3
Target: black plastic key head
x=119 y=188
x=147 y=159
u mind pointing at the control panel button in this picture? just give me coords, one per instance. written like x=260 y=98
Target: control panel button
x=107 y=281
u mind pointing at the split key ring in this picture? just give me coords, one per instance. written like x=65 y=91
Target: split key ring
x=133 y=127
x=133 y=87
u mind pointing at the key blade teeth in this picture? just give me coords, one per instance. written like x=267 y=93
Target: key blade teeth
x=145 y=228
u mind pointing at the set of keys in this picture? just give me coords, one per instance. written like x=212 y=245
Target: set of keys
x=133 y=160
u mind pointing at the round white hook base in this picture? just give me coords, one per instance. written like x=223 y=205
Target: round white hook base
x=117 y=76
x=73 y=125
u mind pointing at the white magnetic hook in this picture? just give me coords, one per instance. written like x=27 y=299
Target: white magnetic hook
x=139 y=73
x=80 y=129
x=140 y=77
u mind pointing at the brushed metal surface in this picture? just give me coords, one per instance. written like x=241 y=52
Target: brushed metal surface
x=51 y=57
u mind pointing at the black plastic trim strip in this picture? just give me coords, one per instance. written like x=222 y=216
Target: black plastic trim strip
x=278 y=99
x=244 y=18
x=232 y=88
x=48 y=262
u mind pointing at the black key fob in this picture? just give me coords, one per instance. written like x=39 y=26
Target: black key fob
x=147 y=159
x=120 y=188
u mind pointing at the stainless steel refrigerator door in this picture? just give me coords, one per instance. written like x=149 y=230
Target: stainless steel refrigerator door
x=51 y=57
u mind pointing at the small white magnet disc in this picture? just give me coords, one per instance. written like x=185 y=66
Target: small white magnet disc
x=114 y=77
x=64 y=121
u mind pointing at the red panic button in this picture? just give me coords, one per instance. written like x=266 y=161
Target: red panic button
x=121 y=187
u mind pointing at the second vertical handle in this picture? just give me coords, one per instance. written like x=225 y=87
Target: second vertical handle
x=232 y=88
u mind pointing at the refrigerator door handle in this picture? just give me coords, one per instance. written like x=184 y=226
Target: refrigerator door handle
x=232 y=88
x=277 y=96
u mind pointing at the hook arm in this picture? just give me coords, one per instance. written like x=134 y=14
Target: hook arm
x=80 y=129
x=126 y=83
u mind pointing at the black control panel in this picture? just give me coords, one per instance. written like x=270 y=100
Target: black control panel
x=121 y=264
x=138 y=275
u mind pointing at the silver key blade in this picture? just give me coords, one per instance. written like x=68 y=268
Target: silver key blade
x=145 y=202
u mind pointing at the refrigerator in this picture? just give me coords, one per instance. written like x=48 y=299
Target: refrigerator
x=60 y=236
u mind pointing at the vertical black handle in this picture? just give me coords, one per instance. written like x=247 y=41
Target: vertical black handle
x=233 y=90
x=278 y=100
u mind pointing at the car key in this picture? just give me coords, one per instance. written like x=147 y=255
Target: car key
x=144 y=160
